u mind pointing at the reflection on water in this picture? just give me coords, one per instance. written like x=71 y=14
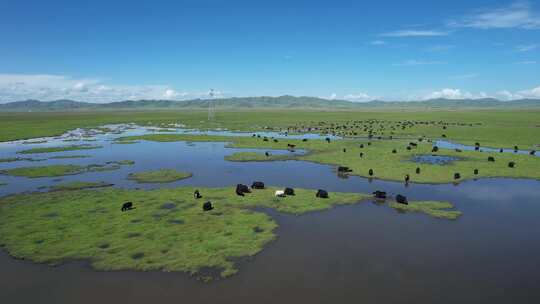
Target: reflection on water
x=351 y=254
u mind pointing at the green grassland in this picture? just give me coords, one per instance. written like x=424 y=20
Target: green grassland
x=256 y=156
x=434 y=209
x=167 y=230
x=62 y=170
x=495 y=128
x=379 y=157
x=59 y=149
x=159 y=176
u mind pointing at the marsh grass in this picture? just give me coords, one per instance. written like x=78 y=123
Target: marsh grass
x=79 y=185
x=87 y=224
x=59 y=149
x=432 y=208
x=379 y=157
x=62 y=170
x=159 y=176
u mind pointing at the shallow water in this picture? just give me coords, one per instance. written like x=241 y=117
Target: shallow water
x=443 y=144
x=361 y=253
x=440 y=160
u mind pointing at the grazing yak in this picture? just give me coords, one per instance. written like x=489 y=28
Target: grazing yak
x=279 y=193
x=344 y=150
x=402 y=199
x=407 y=178
x=207 y=206
x=532 y=152
x=127 y=206
x=475 y=171
x=342 y=169
x=394 y=151
x=257 y=185
x=304 y=139
x=511 y=164
x=321 y=194
x=501 y=150
x=361 y=146
x=457 y=176
x=491 y=159
x=197 y=194
x=417 y=170
x=267 y=154
x=241 y=189
x=370 y=172
x=435 y=149
x=379 y=194
x=289 y=191
x=327 y=139
x=361 y=154
x=515 y=149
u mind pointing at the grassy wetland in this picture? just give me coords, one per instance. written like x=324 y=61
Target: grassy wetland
x=168 y=230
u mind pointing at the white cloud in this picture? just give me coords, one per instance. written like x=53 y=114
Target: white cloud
x=332 y=96
x=448 y=94
x=415 y=33
x=517 y=15
x=358 y=97
x=14 y=87
x=418 y=62
x=532 y=93
x=526 y=48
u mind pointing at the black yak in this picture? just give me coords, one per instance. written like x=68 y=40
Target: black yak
x=402 y=199
x=370 y=172
x=435 y=149
x=417 y=170
x=407 y=178
x=197 y=194
x=491 y=158
x=457 y=176
x=257 y=185
x=511 y=164
x=321 y=194
x=343 y=169
x=207 y=206
x=475 y=171
x=379 y=194
x=241 y=189
x=127 y=206
x=289 y=191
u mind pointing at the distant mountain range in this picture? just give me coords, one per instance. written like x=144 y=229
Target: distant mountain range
x=281 y=102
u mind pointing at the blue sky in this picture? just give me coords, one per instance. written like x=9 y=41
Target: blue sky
x=100 y=51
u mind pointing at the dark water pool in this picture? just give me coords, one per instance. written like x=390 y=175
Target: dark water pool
x=440 y=160
x=362 y=253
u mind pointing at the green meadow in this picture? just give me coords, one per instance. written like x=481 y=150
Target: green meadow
x=167 y=230
x=159 y=176
x=497 y=128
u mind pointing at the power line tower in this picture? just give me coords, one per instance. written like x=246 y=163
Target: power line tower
x=211 y=109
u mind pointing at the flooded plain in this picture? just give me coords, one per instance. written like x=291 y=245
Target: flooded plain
x=360 y=253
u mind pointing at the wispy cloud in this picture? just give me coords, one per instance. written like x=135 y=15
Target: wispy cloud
x=517 y=15
x=377 y=42
x=440 y=48
x=464 y=76
x=526 y=48
x=14 y=87
x=418 y=62
x=415 y=33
